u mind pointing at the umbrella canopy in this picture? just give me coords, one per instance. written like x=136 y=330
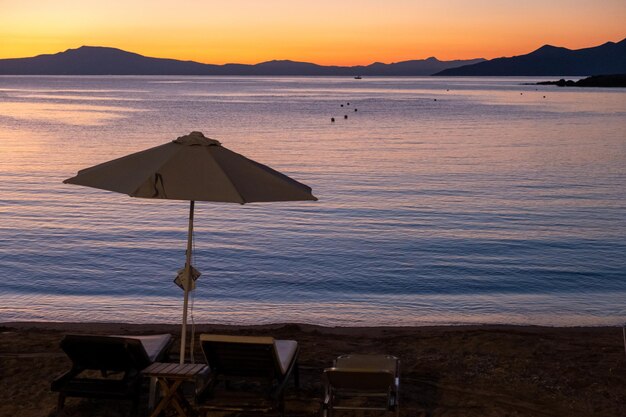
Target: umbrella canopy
x=193 y=168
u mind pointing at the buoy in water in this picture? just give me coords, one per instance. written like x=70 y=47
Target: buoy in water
x=345 y=116
x=332 y=119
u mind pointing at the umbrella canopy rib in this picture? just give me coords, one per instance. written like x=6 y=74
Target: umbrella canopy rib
x=243 y=200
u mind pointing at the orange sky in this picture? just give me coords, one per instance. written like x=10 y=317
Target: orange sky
x=343 y=32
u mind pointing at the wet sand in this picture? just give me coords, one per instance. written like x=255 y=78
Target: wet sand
x=445 y=371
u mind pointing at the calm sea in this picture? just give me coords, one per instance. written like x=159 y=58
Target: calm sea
x=441 y=200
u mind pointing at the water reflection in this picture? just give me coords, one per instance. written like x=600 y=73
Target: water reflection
x=71 y=114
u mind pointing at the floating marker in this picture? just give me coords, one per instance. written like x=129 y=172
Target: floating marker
x=332 y=119
x=345 y=116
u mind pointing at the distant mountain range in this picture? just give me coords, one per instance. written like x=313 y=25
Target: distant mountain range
x=609 y=58
x=93 y=60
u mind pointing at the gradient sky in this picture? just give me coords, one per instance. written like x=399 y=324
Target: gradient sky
x=345 y=32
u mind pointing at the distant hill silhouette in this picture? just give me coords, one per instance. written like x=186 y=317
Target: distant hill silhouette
x=94 y=60
x=609 y=58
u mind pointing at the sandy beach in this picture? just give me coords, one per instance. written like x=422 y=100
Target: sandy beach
x=446 y=371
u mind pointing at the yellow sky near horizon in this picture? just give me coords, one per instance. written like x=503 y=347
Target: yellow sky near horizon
x=347 y=32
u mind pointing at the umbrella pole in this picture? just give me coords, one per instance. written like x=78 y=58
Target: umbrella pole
x=183 y=335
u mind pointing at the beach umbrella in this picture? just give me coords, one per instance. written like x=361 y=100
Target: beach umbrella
x=192 y=168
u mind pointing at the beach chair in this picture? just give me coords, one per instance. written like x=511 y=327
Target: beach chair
x=118 y=361
x=352 y=377
x=252 y=358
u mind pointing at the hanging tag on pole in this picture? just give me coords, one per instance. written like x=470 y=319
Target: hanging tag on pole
x=181 y=281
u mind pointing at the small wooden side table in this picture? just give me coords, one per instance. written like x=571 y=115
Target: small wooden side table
x=170 y=377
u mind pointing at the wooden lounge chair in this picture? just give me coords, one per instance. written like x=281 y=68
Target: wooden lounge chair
x=118 y=359
x=244 y=357
x=354 y=376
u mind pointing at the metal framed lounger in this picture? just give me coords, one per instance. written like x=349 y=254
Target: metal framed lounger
x=246 y=357
x=124 y=356
x=367 y=376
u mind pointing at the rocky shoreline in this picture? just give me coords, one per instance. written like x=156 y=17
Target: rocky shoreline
x=612 y=80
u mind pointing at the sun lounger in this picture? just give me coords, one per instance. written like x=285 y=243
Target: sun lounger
x=368 y=376
x=118 y=360
x=245 y=357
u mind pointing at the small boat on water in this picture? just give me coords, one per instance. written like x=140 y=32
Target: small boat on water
x=358 y=77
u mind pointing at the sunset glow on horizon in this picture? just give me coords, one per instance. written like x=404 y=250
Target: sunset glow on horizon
x=326 y=32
